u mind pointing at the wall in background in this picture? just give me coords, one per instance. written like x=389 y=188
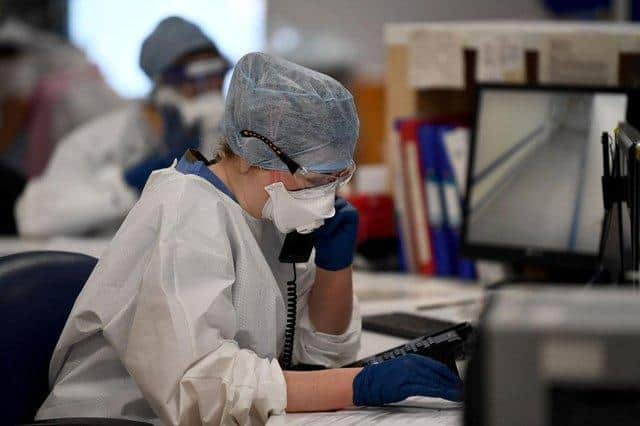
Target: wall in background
x=322 y=33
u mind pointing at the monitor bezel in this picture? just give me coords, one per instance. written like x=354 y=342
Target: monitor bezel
x=521 y=254
x=629 y=138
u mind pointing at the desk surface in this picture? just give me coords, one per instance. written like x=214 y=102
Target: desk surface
x=452 y=300
x=413 y=411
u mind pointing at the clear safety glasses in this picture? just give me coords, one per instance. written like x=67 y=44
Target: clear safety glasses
x=305 y=177
x=198 y=72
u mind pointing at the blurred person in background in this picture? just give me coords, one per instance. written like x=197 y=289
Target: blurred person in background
x=47 y=87
x=98 y=171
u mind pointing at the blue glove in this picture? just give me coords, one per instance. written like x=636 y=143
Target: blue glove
x=335 y=240
x=402 y=377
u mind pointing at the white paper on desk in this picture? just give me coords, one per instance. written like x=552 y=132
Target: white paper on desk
x=384 y=293
x=468 y=312
x=436 y=59
x=501 y=58
x=579 y=58
x=413 y=411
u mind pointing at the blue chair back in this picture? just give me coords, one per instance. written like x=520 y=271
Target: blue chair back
x=37 y=291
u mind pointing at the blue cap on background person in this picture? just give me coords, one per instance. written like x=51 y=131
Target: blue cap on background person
x=173 y=38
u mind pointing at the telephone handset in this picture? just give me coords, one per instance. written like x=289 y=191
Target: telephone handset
x=295 y=249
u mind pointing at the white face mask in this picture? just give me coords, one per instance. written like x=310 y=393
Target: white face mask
x=301 y=211
x=208 y=106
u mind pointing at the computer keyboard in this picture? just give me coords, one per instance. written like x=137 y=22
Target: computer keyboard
x=445 y=346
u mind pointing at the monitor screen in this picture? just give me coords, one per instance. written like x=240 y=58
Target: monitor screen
x=535 y=171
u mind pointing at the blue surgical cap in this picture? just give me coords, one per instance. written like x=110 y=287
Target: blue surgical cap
x=172 y=38
x=308 y=115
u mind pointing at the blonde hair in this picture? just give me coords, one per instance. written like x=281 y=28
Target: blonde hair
x=223 y=150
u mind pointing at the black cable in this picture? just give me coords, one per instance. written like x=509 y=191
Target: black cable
x=290 y=330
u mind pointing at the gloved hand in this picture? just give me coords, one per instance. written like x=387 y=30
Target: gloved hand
x=136 y=176
x=402 y=377
x=335 y=240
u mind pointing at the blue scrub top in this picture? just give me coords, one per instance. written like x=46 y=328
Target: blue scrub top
x=190 y=166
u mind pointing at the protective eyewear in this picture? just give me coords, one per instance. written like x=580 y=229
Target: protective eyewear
x=195 y=72
x=304 y=176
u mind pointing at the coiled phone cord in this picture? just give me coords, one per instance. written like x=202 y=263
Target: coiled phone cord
x=290 y=330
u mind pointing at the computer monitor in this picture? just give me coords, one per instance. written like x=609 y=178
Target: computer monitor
x=619 y=249
x=534 y=192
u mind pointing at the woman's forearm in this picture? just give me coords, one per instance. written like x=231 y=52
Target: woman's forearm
x=323 y=390
x=331 y=301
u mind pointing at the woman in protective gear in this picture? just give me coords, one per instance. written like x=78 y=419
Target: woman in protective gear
x=186 y=320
